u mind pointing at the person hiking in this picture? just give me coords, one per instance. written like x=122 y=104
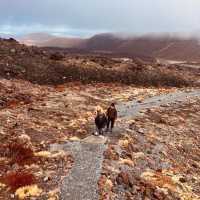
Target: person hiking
x=111 y=116
x=100 y=121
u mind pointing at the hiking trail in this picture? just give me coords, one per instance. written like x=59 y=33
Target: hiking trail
x=81 y=183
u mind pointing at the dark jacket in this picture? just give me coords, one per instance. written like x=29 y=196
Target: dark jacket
x=112 y=113
x=101 y=121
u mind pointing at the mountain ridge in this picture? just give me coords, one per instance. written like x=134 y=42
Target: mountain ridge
x=155 y=46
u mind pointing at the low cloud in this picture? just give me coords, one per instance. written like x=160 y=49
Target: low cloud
x=19 y=30
x=84 y=18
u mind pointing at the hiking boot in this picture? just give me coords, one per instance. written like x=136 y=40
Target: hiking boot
x=96 y=133
x=101 y=132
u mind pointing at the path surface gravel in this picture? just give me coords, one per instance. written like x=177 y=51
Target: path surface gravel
x=82 y=181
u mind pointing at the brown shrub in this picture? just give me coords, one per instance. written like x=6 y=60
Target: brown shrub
x=56 y=56
x=19 y=153
x=111 y=154
x=17 y=179
x=103 y=75
x=49 y=67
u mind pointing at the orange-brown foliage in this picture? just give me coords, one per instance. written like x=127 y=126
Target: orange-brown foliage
x=17 y=179
x=19 y=153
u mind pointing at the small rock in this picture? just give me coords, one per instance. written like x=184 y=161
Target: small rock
x=108 y=185
x=13 y=50
x=123 y=178
x=46 y=178
x=111 y=154
x=182 y=180
x=127 y=162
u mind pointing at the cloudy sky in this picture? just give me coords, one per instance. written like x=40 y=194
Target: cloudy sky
x=87 y=17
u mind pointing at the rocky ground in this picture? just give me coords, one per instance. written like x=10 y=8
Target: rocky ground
x=48 y=98
x=157 y=156
x=51 y=67
x=44 y=115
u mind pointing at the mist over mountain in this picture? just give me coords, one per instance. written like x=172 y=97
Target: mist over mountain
x=35 y=38
x=165 y=46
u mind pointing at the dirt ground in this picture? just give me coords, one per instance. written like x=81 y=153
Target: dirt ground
x=157 y=158
x=42 y=104
x=50 y=115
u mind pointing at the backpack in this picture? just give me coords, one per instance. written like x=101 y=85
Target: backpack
x=101 y=121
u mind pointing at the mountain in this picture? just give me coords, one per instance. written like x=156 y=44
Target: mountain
x=178 y=49
x=146 y=47
x=104 y=42
x=47 y=40
x=63 y=42
x=35 y=38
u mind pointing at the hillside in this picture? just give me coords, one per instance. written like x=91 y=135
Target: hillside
x=145 y=47
x=47 y=148
x=164 y=47
x=188 y=50
x=48 y=67
x=103 y=42
x=35 y=38
x=47 y=40
x=62 y=42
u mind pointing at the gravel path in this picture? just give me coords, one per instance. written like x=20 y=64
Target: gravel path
x=81 y=182
x=133 y=108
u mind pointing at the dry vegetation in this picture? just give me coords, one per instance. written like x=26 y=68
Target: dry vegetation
x=52 y=115
x=43 y=101
x=39 y=66
x=158 y=158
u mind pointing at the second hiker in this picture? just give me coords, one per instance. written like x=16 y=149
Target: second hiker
x=111 y=116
